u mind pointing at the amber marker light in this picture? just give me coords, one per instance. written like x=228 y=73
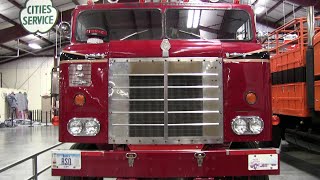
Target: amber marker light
x=251 y=98
x=79 y=100
x=275 y=120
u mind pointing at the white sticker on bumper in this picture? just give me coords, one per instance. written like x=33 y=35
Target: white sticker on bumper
x=263 y=162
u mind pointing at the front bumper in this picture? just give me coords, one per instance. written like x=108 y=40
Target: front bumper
x=165 y=164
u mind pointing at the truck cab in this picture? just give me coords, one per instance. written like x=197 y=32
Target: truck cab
x=164 y=90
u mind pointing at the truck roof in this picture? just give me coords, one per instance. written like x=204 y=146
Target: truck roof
x=163 y=6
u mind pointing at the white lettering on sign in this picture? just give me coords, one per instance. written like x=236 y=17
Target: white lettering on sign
x=38 y=16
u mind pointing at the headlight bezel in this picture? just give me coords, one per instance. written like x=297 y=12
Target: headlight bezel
x=234 y=124
x=92 y=121
x=72 y=121
x=83 y=122
x=249 y=120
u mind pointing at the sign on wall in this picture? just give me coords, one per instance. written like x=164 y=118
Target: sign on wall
x=38 y=16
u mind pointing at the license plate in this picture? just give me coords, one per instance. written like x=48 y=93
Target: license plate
x=66 y=159
x=262 y=162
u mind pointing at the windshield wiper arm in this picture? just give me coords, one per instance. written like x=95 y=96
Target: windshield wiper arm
x=133 y=34
x=192 y=34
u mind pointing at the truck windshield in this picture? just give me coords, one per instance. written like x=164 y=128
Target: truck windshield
x=123 y=24
x=146 y=24
x=208 y=24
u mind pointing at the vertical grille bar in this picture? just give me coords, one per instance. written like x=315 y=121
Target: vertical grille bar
x=166 y=106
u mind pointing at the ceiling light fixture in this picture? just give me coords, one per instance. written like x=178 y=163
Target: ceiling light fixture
x=34 y=46
x=196 y=19
x=190 y=18
x=259 y=10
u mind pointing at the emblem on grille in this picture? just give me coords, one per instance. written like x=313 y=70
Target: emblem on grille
x=165 y=46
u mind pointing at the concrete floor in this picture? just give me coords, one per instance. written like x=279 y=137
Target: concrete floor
x=20 y=142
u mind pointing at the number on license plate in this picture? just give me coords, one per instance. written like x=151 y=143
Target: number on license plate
x=66 y=159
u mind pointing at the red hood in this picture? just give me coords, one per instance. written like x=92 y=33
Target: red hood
x=179 y=48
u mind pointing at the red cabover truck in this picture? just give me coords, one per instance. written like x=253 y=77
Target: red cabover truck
x=164 y=90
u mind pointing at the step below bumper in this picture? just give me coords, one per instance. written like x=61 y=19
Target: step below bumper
x=165 y=164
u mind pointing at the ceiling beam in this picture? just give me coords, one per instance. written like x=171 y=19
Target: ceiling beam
x=12 y=33
x=271 y=9
x=76 y=2
x=23 y=42
x=16 y=4
x=17 y=24
x=31 y=53
x=18 y=31
x=289 y=14
x=255 y=2
x=8 y=48
x=268 y=23
x=8 y=19
x=44 y=39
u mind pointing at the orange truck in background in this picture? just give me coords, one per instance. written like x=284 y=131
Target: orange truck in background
x=295 y=69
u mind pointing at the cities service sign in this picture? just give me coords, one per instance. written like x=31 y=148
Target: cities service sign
x=38 y=16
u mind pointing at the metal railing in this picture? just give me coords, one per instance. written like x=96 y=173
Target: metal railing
x=34 y=158
x=293 y=34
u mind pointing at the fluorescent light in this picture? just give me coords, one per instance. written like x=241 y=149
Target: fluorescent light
x=190 y=18
x=196 y=19
x=34 y=46
x=259 y=10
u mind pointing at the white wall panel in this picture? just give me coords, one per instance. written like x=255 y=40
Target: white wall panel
x=30 y=74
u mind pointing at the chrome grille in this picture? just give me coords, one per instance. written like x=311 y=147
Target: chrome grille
x=165 y=101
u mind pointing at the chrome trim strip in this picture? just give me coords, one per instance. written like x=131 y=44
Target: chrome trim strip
x=84 y=61
x=169 y=87
x=172 y=59
x=170 y=74
x=246 y=60
x=186 y=124
x=190 y=99
x=161 y=112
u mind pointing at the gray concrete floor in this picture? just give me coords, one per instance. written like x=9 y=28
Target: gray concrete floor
x=20 y=142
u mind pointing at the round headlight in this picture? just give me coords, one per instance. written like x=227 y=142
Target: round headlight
x=92 y=127
x=256 y=125
x=239 y=126
x=75 y=127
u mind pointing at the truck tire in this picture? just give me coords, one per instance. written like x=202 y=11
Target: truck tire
x=79 y=146
x=247 y=145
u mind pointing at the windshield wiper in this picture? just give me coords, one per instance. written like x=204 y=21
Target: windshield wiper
x=133 y=34
x=192 y=34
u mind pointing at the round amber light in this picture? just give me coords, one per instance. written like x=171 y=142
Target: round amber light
x=275 y=120
x=79 y=100
x=251 y=98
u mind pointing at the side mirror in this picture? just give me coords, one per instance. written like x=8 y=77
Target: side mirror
x=262 y=37
x=64 y=29
x=96 y=33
